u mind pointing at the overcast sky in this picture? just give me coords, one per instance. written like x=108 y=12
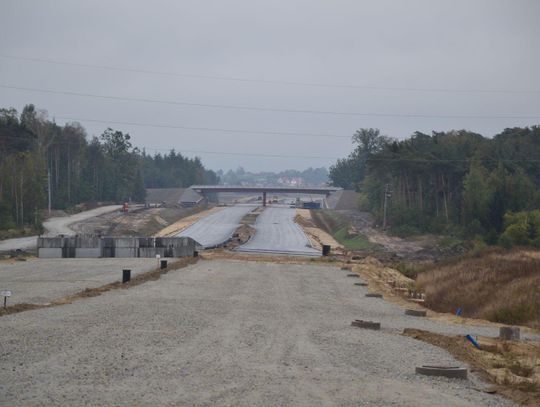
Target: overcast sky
x=384 y=51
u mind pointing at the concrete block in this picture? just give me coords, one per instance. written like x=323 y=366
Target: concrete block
x=125 y=252
x=87 y=253
x=509 y=333
x=452 y=372
x=88 y=242
x=160 y=251
x=107 y=242
x=126 y=242
x=146 y=241
x=366 y=324
x=68 y=252
x=49 y=253
x=416 y=312
x=50 y=242
x=107 y=252
x=147 y=252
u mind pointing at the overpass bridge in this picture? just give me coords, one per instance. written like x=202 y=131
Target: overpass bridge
x=211 y=189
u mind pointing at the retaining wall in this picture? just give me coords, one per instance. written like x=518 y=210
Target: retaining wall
x=125 y=247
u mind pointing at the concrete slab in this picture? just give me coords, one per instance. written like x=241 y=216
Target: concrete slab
x=93 y=253
x=50 y=253
x=125 y=252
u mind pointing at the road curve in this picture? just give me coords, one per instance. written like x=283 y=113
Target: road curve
x=55 y=226
x=218 y=227
x=276 y=232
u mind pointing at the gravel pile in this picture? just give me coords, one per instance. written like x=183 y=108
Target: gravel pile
x=228 y=333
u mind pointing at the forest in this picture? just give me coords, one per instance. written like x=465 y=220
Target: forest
x=456 y=183
x=35 y=152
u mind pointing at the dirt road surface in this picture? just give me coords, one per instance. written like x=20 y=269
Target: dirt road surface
x=228 y=333
x=40 y=281
x=53 y=227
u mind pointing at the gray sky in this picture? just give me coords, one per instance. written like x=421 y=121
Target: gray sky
x=413 y=44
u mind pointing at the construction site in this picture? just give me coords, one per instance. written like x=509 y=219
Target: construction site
x=270 y=203
x=230 y=301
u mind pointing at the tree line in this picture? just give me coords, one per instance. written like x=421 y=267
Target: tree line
x=455 y=182
x=35 y=152
x=311 y=176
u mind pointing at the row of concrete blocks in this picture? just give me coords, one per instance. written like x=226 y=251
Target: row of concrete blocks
x=92 y=242
x=76 y=247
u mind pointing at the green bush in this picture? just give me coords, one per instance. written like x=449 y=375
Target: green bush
x=405 y=231
x=517 y=234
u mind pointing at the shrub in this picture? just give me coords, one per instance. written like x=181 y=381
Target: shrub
x=405 y=231
x=517 y=234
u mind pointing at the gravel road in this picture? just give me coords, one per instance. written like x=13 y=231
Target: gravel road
x=218 y=227
x=40 y=281
x=228 y=333
x=53 y=227
x=276 y=232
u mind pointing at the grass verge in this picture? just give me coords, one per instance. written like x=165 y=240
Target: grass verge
x=511 y=367
x=494 y=284
x=357 y=242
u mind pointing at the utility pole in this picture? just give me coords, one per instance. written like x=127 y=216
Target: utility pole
x=49 y=187
x=386 y=196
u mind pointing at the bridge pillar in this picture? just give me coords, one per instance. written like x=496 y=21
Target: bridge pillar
x=264 y=198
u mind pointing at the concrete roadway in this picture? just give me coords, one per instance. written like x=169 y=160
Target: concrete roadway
x=276 y=232
x=216 y=228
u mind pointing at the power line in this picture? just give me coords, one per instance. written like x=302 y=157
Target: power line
x=269 y=81
x=267 y=109
x=224 y=130
x=246 y=154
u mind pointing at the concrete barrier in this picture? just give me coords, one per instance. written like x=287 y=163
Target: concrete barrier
x=452 y=372
x=124 y=247
x=416 y=312
x=50 y=253
x=125 y=252
x=366 y=324
x=88 y=253
x=509 y=333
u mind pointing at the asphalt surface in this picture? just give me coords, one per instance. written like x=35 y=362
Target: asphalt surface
x=40 y=281
x=229 y=333
x=53 y=227
x=276 y=232
x=218 y=227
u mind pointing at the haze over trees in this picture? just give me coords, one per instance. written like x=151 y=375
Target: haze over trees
x=455 y=182
x=310 y=176
x=101 y=169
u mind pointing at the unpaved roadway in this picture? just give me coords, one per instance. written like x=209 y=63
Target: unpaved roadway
x=217 y=227
x=228 y=333
x=39 y=281
x=276 y=232
x=55 y=226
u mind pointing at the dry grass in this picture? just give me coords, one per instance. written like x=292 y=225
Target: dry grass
x=185 y=222
x=500 y=286
x=141 y=278
x=512 y=367
x=317 y=236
